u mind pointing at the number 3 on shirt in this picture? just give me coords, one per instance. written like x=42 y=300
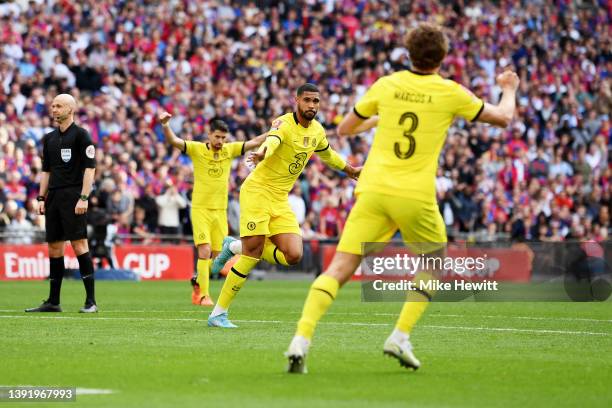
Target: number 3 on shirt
x=295 y=167
x=414 y=122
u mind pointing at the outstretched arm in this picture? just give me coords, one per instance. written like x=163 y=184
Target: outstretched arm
x=266 y=149
x=171 y=138
x=255 y=142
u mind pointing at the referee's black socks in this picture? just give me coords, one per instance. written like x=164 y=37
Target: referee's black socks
x=56 y=274
x=86 y=269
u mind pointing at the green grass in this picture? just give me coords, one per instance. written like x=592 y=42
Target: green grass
x=153 y=348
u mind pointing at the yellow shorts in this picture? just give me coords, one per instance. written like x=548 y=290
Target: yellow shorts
x=375 y=218
x=209 y=227
x=260 y=214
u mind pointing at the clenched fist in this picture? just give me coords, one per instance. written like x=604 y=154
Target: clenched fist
x=508 y=80
x=164 y=118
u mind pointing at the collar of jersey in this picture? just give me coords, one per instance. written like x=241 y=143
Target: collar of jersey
x=65 y=131
x=420 y=73
x=297 y=122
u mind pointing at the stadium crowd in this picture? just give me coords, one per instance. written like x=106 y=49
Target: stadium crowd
x=547 y=177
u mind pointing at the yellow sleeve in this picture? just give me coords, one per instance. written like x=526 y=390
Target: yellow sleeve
x=277 y=129
x=368 y=104
x=236 y=149
x=192 y=148
x=271 y=143
x=329 y=155
x=274 y=138
x=468 y=105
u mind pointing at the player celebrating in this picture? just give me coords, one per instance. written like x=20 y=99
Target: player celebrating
x=397 y=187
x=211 y=168
x=268 y=226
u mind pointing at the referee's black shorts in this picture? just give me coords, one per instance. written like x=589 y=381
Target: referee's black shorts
x=61 y=223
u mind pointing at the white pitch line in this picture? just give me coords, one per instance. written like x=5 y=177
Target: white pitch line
x=506 y=329
x=573 y=319
x=93 y=391
x=471 y=315
x=93 y=318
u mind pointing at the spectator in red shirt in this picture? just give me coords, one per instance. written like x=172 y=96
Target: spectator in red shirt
x=330 y=221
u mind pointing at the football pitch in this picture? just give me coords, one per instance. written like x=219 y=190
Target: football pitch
x=150 y=347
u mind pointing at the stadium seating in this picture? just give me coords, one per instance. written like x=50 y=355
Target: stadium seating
x=545 y=178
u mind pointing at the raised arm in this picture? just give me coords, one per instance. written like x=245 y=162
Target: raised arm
x=171 y=138
x=502 y=113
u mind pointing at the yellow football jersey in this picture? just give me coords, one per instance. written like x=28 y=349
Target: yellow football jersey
x=415 y=112
x=278 y=173
x=211 y=171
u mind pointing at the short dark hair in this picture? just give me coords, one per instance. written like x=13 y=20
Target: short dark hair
x=427 y=46
x=307 y=87
x=220 y=125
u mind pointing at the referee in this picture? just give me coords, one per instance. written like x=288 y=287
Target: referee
x=68 y=173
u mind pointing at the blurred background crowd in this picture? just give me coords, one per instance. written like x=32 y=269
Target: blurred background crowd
x=545 y=178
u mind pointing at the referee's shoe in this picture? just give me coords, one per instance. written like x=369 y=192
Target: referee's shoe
x=46 y=306
x=89 y=308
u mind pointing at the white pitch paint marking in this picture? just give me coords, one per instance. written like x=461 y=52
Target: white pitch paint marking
x=93 y=391
x=573 y=319
x=506 y=329
x=466 y=316
x=512 y=329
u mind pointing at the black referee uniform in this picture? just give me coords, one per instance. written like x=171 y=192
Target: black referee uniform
x=66 y=155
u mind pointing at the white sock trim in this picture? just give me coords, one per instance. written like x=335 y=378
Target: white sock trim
x=217 y=311
x=236 y=247
x=399 y=335
x=302 y=341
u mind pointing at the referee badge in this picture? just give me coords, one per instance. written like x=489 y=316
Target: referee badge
x=66 y=155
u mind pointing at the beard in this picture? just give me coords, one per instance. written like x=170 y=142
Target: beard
x=308 y=115
x=60 y=118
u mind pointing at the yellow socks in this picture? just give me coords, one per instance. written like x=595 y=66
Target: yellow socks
x=415 y=306
x=203 y=279
x=322 y=293
x=235 y=280
x=273 y=255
